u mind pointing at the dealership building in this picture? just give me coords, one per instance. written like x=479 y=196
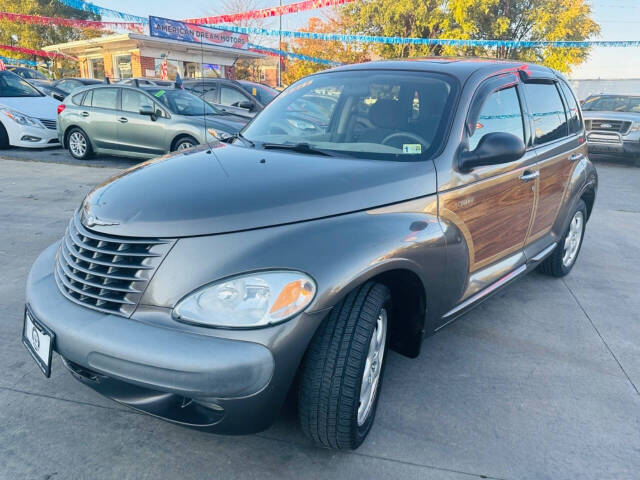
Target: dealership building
x=130 y=55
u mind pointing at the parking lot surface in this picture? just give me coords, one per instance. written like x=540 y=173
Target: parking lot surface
x=540 y=381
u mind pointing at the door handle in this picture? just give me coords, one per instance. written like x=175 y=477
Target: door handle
x=576 y=156
x=528 y=175
x=123 y=120
x=85 y=114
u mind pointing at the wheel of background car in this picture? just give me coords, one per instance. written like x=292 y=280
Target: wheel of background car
x=343 y=369
x=79 y=144
x=184 y=143
x=4 y=138
x=412 y=136
x=564 y=257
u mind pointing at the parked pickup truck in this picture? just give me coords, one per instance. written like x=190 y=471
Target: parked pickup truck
x=204 y=286
x=613 y=125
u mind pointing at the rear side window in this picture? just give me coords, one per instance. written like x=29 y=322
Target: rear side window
x=547 y=111
x=105 y=98
x=573 y=112
x=501 y=112
x=77 y=99
x=86 y=102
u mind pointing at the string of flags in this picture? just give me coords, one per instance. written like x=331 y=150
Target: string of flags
x=268 y=12
x=107 y=12
x=39 y=53
x=297 y=56
x=68 y=22
x=17 y=61
x=337 y=37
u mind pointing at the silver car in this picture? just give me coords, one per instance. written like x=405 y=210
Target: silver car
x=139 y=122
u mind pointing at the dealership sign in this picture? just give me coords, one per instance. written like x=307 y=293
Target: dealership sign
x=189 y=32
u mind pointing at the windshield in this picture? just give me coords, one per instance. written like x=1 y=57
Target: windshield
x=379 y=115
x=12 y=85
x=183 y=103
x=612 y=103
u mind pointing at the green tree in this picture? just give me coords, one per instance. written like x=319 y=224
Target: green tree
x=38 y=36
x=535 y=20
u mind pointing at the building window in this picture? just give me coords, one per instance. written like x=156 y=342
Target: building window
x=173 y=68
x=122 y=66
x=96 y=68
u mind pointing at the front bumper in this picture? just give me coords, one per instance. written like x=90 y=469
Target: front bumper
x=224 y=385
x=31 y=137
x=610 y=143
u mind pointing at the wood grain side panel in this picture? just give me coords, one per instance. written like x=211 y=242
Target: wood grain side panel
x=554 y=177
x=494 y=216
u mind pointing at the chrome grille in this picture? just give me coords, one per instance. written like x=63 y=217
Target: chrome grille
x=104 y=272
x=608 y=125
x=50 y=124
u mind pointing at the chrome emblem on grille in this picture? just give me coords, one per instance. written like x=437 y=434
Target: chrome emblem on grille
x=93 y=221
x=606 y=125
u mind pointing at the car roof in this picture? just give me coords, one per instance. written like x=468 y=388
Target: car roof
x=459 y=67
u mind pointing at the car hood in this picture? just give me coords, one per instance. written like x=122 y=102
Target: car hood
x=231 y=188
x=619 y=116
x=38 y=107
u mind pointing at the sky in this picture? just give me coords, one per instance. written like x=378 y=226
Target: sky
x=618 y=19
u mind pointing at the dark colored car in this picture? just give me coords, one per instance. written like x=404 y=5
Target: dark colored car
x=70 y=85
x=146 y=82
x=139 y=122
x=263 y=93
x=227 y=95
x=29 y=73
x=198 y=286
x=613 y=125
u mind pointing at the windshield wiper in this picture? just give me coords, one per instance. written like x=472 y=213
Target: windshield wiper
x=296 y=147
x=241 y=137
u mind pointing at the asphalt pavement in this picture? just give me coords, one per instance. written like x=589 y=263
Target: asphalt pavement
x=539 y=382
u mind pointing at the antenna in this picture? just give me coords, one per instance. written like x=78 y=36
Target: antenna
x=204 y=104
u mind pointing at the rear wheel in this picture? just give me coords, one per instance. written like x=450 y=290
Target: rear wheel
x=4 y=138
x=78 y=144
x=184 y=143
x=343 y=369
x=564 y=257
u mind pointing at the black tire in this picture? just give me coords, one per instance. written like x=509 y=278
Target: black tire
x=4 y=138
x=76 y=134
x=184 y=142
x=333 y=368
x=554 y=265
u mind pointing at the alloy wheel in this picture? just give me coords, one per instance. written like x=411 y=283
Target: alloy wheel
x=573 y=238
x=372 y=368
x=78 y=144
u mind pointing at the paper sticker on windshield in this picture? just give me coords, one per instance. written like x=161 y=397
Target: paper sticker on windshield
x=159 y=93
x=411 y=148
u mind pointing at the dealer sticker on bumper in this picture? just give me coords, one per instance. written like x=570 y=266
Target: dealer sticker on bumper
x=39 y=342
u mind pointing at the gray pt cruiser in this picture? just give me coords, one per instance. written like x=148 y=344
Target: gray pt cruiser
x=365 y=208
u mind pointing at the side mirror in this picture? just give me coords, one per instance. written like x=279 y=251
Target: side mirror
x=149 y=111
x=246 y=104
x=493 y=149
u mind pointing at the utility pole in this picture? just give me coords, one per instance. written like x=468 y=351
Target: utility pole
x=280 y=44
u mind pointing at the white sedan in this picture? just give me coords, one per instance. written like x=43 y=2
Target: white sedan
x=27 y=117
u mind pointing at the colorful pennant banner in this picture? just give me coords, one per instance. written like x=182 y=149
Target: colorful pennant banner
x=66 y=22
x=107 y=12
x=268 y=12
x=336 y=37
x=18 y=61
x=298 y=56
x=39 y=53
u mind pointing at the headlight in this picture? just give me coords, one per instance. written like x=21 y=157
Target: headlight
x=248 y=301
x=21 y=118
x=218 y=134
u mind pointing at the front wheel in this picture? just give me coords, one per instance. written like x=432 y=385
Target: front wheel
x=564 y=257
x=185 y=143
x=343 y=369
